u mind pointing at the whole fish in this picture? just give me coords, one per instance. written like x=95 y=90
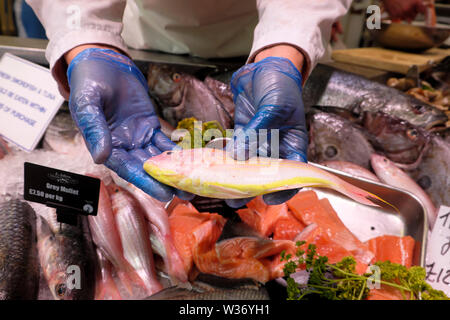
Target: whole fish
x=134 y=236
x=433 y=173
x=156 y=214
x=67 y=259
x=106 y=288
x=351 y=168
x=62 y=135
x=212 y=173
x=181 y=95
x=19 y=266
x=400 y=141
x=328 y=86
x=209 y=287
x=105 y=235
x=332 y=137
x=390 y=174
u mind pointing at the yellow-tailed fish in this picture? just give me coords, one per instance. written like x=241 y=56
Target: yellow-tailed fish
x=212 y=173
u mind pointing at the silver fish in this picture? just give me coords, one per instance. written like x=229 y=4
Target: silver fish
x=180 y=95
x=134 y=236
x=208 y=287
x=328 y=86
x=62 y=135
x=63 y=252
x=19 y=267
x=433 y=173
x=335 y=138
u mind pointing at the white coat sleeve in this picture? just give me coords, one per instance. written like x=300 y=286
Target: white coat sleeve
x=70 y=23
x=304 y=24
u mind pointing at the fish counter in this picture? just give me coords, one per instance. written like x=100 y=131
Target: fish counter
x=378 y=172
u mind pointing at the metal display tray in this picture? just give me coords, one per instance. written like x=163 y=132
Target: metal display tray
x=367 y=222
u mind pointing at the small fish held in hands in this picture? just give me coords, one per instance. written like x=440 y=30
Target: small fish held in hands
x=212 y=173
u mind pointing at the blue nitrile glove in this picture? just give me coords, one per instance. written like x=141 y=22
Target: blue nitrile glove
x=109 y=102
x=268 y=95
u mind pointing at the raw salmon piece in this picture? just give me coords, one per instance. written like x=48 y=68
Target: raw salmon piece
x=385 y=293
x=262 y=217
x=393 y=248
x=232 y=268
x=308 y=209
x=325 y=246
x=287 y=228
x=242 y=257
x=193 y=230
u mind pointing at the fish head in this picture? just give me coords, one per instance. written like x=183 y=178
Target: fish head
x=178 y=166
x=382 y=165
x=335 y=138
x=166 y=85
x=58 y=255
x=400 y=141
x=416 y=112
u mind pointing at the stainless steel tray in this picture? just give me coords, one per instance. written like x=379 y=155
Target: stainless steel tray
x=368 y=222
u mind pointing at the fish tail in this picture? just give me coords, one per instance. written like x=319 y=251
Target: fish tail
x=130 y=279
x=363 y=196
x=175 y=263
x=108 y=291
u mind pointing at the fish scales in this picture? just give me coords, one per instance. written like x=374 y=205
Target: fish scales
x=19 y=268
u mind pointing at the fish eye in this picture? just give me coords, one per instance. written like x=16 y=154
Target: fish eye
x=169 y=152
x=60 y=290
x=418 y=109
x=330 y=151
x=412 y=134
x=424 y=182
x=176 y=77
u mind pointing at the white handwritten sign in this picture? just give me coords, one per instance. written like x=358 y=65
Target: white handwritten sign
x=29 y=99
x=438 y=252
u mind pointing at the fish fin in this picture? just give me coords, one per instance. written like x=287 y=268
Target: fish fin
x=175 y=263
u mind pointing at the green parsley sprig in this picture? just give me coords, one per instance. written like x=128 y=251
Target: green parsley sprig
x=340 y=281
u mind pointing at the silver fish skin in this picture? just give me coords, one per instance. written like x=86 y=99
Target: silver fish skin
x=433 y=173
x=332 y=137
x=62 y=135
x=62 y=251
x=400 y=141
x=328 y=86
x=19 y=267
x=134 y=235
x=209 y=287
x=181 y=95
x=351 y=168
x=390 y=174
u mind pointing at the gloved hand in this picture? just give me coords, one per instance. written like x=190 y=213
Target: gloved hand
x=109 y=102
x=268 y=95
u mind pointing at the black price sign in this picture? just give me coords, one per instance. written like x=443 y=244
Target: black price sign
x=70 y=193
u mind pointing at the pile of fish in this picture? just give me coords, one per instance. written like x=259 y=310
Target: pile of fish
x=350 y=119
x=139 y=248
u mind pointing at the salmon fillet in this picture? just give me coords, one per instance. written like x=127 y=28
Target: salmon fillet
x=287 y=228
x=307 y=207
x=262 y=217
x=393 y=248
x=193 y=230
x=325 y=246
x=243 y=257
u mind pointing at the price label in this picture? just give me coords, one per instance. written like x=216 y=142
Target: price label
x=70 y=193
x=29 y=99
x=438 y=252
